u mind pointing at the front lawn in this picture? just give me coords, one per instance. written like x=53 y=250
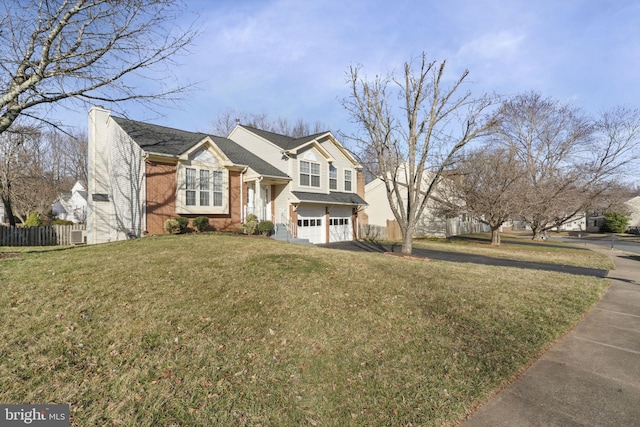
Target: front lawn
x=199 y=330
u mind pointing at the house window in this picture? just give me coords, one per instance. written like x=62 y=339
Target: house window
x=204 y=189
x=190 y=184
x=217 y=188
x=347 y=180
x=309 y=174
x=333 y=178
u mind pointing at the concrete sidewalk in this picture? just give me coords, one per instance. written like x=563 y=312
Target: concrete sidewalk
x=589 y=378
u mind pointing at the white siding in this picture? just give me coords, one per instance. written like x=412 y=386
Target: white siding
x=116 y=171
x=260 y=147
x=378 y=209
x=341 y=163
x=311 y=154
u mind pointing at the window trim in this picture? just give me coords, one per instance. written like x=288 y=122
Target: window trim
x=309 y=174
x=333 y=177
x=203 y=189
x=349 y=181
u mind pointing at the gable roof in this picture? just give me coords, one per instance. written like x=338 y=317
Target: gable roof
x=162 y=140
x=283 y=141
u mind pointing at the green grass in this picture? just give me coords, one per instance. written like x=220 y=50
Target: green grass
x=221 y=330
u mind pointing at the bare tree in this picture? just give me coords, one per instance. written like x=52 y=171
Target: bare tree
x=487 y=186
x=567 y=156
x=229 y=118
x=17 y=170
x=87 y=50
x=37 y=167
x=416 y=141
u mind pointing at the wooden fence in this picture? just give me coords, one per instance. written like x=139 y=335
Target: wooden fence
x=50 y=235
x=448 y=228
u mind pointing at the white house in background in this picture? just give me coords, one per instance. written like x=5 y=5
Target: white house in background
x=576 y=223
x=634 y=213
x=1 y=214
x=430 y=224
x=72 y=206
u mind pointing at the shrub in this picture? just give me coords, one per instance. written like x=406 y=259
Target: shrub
x=614 y=223
x=33 y=220
x=201 y=223
x=58 y=221
x=183 y=222
x=172 y=226
x=250 y=225
x=265 y=228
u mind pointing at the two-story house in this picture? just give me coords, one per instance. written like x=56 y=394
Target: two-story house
x=142 y=174
x=322 y=200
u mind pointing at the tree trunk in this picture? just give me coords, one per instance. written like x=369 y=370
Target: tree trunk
x=8 y=211
x=407 y=242
x=537 y=235
x=495 y=236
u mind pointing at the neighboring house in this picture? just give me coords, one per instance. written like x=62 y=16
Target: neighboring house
x=71 y=206
x=324 y=195
x=430 y=224
x=142 y=174
x=1 y=213
x=634 y=213
x=577 y=222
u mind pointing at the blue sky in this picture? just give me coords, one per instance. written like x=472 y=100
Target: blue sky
x=289 y=58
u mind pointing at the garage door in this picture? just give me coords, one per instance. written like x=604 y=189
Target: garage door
x=311 y=224
x=340 y=226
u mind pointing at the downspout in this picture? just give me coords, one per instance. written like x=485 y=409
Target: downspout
x=143 y=220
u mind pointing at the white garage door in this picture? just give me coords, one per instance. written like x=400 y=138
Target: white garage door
x=311 y=224
x=340 y=226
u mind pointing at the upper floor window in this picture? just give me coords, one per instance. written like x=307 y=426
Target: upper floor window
x=333 y=178
x=347 y=180
x=309 y=174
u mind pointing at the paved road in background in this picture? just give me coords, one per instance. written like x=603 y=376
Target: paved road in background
x=366 y=246
x=621 y=244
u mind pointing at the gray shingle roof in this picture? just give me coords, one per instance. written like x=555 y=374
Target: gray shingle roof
x=333 y=198
x=282 y=141
x=158 y=139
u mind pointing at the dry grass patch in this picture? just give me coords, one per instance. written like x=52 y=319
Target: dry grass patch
x=523 y=249
x=219 y=330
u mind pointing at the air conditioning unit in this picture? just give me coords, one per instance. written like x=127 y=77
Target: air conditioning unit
x=78 y=237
